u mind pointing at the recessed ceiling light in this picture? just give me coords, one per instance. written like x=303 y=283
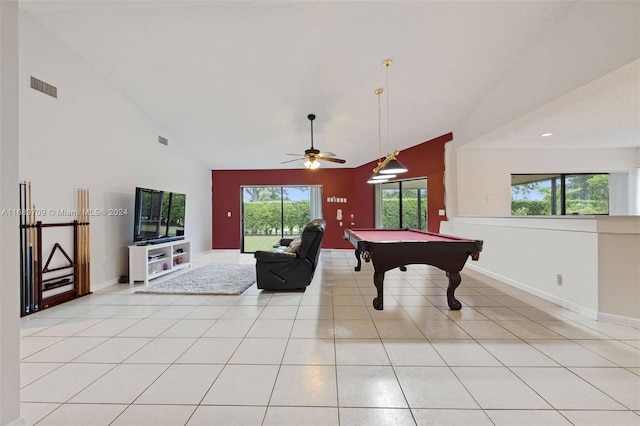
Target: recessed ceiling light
x=544 y=135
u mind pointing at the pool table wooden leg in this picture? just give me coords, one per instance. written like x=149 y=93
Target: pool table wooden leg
x=358 y=266
x=378 y=280
x=454 y=282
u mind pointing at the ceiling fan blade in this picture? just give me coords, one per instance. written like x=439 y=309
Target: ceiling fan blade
x=295 y=159
x=326 y=154
x=297 y=155
x=333 y=160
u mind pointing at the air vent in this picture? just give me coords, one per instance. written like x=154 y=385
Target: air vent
x=163 y=141
x=43 y=87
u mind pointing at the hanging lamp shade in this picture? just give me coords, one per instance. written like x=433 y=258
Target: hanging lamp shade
x=393 y=167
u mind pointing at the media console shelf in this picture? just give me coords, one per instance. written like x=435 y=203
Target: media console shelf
x=155 y=260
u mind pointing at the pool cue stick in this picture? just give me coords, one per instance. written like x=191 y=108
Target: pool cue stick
x=23 y=284
x=78 y=243
x=79 y=266
x=34 y=250
x=30 y=249
x=88 y=246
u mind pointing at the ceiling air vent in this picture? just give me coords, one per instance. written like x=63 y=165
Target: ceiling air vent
x=163 y=141
x=43 y=87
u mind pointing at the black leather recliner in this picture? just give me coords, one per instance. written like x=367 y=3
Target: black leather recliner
x=276 y=270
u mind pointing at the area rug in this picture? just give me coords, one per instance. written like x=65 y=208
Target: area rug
x=217 y=278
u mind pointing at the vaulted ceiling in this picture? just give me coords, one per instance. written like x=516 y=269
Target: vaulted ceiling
x=234 y=81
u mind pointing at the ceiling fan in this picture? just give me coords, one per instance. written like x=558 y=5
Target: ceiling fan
x=312 y=155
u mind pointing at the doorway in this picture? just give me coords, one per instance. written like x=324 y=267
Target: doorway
x=270 y=213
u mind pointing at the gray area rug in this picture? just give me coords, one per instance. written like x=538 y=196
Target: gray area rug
x=212 y=279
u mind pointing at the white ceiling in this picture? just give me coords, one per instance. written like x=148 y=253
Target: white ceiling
x=234 y=81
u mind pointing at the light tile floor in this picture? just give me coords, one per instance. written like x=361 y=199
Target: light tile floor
x=326 y=357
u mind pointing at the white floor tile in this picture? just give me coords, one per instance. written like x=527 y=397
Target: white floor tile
x=63 y=383
x=229 y=328
x=564 y=390
x=516 y=353
x=369 y=386
x=618 y=383
x=154 y=415
x=305 y=385
x=33 y=412
x=181 y=384
x=527 y=418
x=310 y=352
x=113 y=350
x=32 y=371
x=433 y=387
x=313 y=328
x=326 y=356
x=259 y=351
x=361 y=352
x=162 y=350
x=600 y=418
x=65 y=350
x=188 y=328
x=464 y=353
x=375 y=417
x=451 y=418
x=412 y=352
x=296 y=416
x=243 y=385
x=121 y=385
x=570 y=354
x=271 y=328
x=83 y=414
x=507 y=391
x=206 y=415
x=210 y=351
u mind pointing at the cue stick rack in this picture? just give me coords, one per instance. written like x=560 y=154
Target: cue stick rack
x=43 y=285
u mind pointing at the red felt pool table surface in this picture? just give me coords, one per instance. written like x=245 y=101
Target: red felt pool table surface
x=390 y=235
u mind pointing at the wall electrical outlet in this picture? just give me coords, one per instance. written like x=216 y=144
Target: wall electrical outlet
x=559 y=279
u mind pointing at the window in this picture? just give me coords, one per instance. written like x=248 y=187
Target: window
x=404 y=204
x=560 y=194
x=273 y=212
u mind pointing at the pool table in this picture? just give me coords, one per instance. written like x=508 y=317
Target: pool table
x=393 y=248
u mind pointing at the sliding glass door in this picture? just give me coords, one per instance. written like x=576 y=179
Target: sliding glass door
x=404 y=204
x=270 y=213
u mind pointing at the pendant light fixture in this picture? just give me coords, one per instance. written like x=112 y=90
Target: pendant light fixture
x=377 y=177
x=391 y=165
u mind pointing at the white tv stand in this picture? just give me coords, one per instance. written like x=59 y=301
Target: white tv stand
x=147 y=262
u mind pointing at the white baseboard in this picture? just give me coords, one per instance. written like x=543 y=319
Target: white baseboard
x=619 y=319
x=104 y=284
x=590 y=313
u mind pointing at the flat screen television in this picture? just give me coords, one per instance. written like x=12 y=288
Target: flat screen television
x=159 y=216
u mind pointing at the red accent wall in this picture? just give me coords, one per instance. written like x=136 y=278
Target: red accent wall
x=226 y=194
x=423 y=160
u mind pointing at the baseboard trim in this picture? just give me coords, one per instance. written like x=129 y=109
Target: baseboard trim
x=619 y=319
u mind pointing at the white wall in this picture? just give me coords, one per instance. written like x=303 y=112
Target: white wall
x=9 y=249
x=484 y=176
x=571 y=55
x=93 y=137
x=591 y=40
x=529 y=253
x=597 y=257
